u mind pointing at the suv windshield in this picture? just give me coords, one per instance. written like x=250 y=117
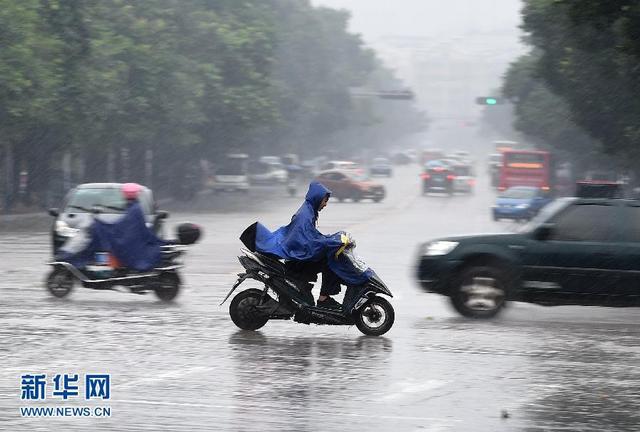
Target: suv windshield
x=462 y=171
x=359 y=176
x=83 y=200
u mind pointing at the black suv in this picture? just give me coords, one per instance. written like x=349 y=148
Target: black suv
x=575 y=252
x=82 y=200
x=437 y=177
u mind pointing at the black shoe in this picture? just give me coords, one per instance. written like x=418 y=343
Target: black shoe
x=329 y=303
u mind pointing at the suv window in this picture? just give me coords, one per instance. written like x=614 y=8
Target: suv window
x=586 y=222
x=631 y=225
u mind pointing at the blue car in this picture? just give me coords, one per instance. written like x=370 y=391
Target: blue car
x=520 y=203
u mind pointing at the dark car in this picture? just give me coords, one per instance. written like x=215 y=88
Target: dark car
x=351 y=185
x=83 y=200
x=576 y=252
x=402 y=158
x=381 y=167
x=437 y=176
x=520 y=203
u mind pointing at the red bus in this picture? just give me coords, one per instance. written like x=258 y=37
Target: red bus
x=526 y=168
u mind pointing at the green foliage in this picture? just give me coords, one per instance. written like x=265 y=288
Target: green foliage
x=586 y=68
x=186 y=79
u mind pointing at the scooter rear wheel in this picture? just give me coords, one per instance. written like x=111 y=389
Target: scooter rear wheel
x=168 y=286
x=60 y=282
x=243 y=310
x=376 y=317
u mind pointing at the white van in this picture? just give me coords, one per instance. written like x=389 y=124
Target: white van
x=232 y=174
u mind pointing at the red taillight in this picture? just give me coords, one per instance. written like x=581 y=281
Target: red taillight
x=545 y=188
x=501 y=188
x=425 y=176
x=472 y=182
x=451 y=177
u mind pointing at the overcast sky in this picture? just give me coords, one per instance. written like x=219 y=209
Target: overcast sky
x=429 y=18
x=484 y=33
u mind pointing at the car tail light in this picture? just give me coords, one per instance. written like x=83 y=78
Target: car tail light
x=451 y=177
x=545 y=188
x=425 y=176
x=501 y=188
x=472 y=182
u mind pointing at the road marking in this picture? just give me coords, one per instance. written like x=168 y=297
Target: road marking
x=266 y=409
x=413 y=388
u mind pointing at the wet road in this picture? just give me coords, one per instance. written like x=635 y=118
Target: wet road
x=185 y=366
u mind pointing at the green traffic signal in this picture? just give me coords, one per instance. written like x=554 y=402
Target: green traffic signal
x=489 y=100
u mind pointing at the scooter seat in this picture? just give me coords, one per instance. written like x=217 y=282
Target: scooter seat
x=272 y=261
x=277 y=264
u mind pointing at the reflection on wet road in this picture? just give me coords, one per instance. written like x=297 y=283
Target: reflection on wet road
x=186 y=367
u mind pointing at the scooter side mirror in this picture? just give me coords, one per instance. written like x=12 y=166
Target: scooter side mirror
x=54 y=212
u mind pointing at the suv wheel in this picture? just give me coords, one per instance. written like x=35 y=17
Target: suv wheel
x=480 y=291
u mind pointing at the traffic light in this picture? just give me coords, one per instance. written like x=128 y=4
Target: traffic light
x=489 y=100
x=396 y=94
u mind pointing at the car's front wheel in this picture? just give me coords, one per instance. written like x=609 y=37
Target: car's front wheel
x=480 y=291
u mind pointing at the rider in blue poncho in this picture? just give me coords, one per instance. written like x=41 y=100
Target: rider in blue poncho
x=306 y=249
x=129 y=239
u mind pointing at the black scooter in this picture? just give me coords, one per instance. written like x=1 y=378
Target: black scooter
x=252 y=308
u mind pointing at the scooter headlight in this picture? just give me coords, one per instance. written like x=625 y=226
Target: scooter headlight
x=64 y=230
x=522 y=206
x=440 y=247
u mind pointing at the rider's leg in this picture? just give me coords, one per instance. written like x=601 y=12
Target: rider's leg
x=330 y=284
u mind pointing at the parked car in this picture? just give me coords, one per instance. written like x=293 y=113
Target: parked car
x=340 y=165
x=428 y=155
x=381 y=166
x=350 y=185
x=520 y=203
x=463 y=157
x=576 y=252
x=494 y=162
x=270 y=159
x=80 y=202
x=437 y=176
x=599 y=189
x=267 y=173
x=464 y=179
x=402 y=158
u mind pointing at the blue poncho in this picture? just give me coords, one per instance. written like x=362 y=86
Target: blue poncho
x=301 y=240
x=129 y=240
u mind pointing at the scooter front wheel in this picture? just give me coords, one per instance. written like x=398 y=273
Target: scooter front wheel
x=243 y=311
x=60 y=282
x=376 y=317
